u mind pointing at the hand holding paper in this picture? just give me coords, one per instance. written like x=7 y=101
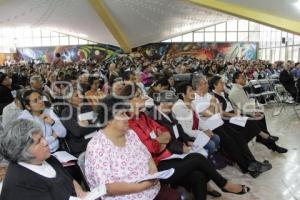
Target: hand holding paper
x=159 y=175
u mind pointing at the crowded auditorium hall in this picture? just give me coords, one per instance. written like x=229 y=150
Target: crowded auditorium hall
x=149 y=99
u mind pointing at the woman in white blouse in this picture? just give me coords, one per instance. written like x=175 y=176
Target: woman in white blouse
x=35 y=110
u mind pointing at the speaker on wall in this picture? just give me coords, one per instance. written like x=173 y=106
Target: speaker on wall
x=283 y=40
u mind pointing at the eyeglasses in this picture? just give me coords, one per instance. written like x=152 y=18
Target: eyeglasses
x=36 y=100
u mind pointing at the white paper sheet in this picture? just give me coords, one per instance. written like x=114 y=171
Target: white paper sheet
x=64 y=156
x=176 y=156
x=95 y=194
x=159 y=175
x=213 y=122
x=240 y=121
x=201 y=140
x=88 y=136
x=87 y=116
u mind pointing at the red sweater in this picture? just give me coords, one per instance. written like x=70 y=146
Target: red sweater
x=143 y=125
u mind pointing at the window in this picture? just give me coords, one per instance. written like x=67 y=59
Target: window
x=36 y=32
x=45 y=33
x=177 y=39
x=46 y=41
x=243 y=25
x=209 y=36
x=296 y=54
x=198 y=37
x=282 y=54
x=54 y=34
x=220 y=36
x=37 y=42
x=81 y=41
x=54 y=41
x=253 y=36
x=187 y=37
x=231 y=36
x=169 y=40
x=73 y=40
x=253 y=26
x=210 y=29
x=232 y=25
x=277 y=53
x=221 y=27
x=243 y=36
x=64 y=41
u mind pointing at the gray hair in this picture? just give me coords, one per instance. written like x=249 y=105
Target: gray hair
x=16 y=138
x=35 y=78
x=196 y=81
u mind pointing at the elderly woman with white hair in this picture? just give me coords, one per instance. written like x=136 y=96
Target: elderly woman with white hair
x=33 y=174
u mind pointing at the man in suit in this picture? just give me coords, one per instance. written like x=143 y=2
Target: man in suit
x=287 y=80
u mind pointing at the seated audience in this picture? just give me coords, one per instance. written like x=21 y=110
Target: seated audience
x=33 y=174
x=232 y=143
x=242 y=104
x=35 y=110
x=94 y=94
x=116 y=157
x=288 y=82
x=184 y=114
x=76 y=129
x=5 y=91
x=13 y=110
x=192 y=170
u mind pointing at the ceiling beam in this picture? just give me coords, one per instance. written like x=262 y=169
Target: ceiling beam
x=251 y=14
x=110 y=22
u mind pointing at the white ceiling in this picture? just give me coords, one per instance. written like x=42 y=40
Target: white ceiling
x=68 y=16
x=141 y=21
x=282 y=8
x=144 y=21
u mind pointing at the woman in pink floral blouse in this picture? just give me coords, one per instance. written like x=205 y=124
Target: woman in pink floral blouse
x=117 y=158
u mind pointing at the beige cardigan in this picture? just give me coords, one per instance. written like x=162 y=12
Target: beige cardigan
x=241 y=101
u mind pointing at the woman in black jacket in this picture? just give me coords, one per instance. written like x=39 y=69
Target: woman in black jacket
x=77 y=128
x=33 y=174
x=5 y=91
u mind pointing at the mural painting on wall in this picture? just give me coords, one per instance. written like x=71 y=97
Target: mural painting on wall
x=70 y=53
x=227 y=51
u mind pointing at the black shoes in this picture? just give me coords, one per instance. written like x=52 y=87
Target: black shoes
x=273 y=138
x=279 y=149
x=214 y=193
x=245 y=190
x=256 y=168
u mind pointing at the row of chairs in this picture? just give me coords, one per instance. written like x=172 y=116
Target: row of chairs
x=271 y=90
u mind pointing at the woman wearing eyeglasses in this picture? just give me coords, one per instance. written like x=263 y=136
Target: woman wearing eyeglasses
x=35 y=110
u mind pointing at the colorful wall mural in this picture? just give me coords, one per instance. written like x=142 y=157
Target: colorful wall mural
x=227 y=51
x=101 y=52
x=98 y=53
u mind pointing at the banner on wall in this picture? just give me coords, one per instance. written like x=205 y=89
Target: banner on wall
x=96 y=53
x=227 y=51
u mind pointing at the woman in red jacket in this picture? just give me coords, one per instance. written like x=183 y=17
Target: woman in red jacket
x=193 y=171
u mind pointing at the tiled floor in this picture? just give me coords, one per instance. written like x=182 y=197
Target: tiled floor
x=283 y=181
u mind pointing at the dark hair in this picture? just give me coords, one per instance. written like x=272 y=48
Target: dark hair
x=25 y=97
x=181 y=88
x=214 y=81
x=129 y=91
x=236 y=76
x=91 y=80
x=57 y=55
x=2 y=77
x=127 y=74
x=107 y=108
